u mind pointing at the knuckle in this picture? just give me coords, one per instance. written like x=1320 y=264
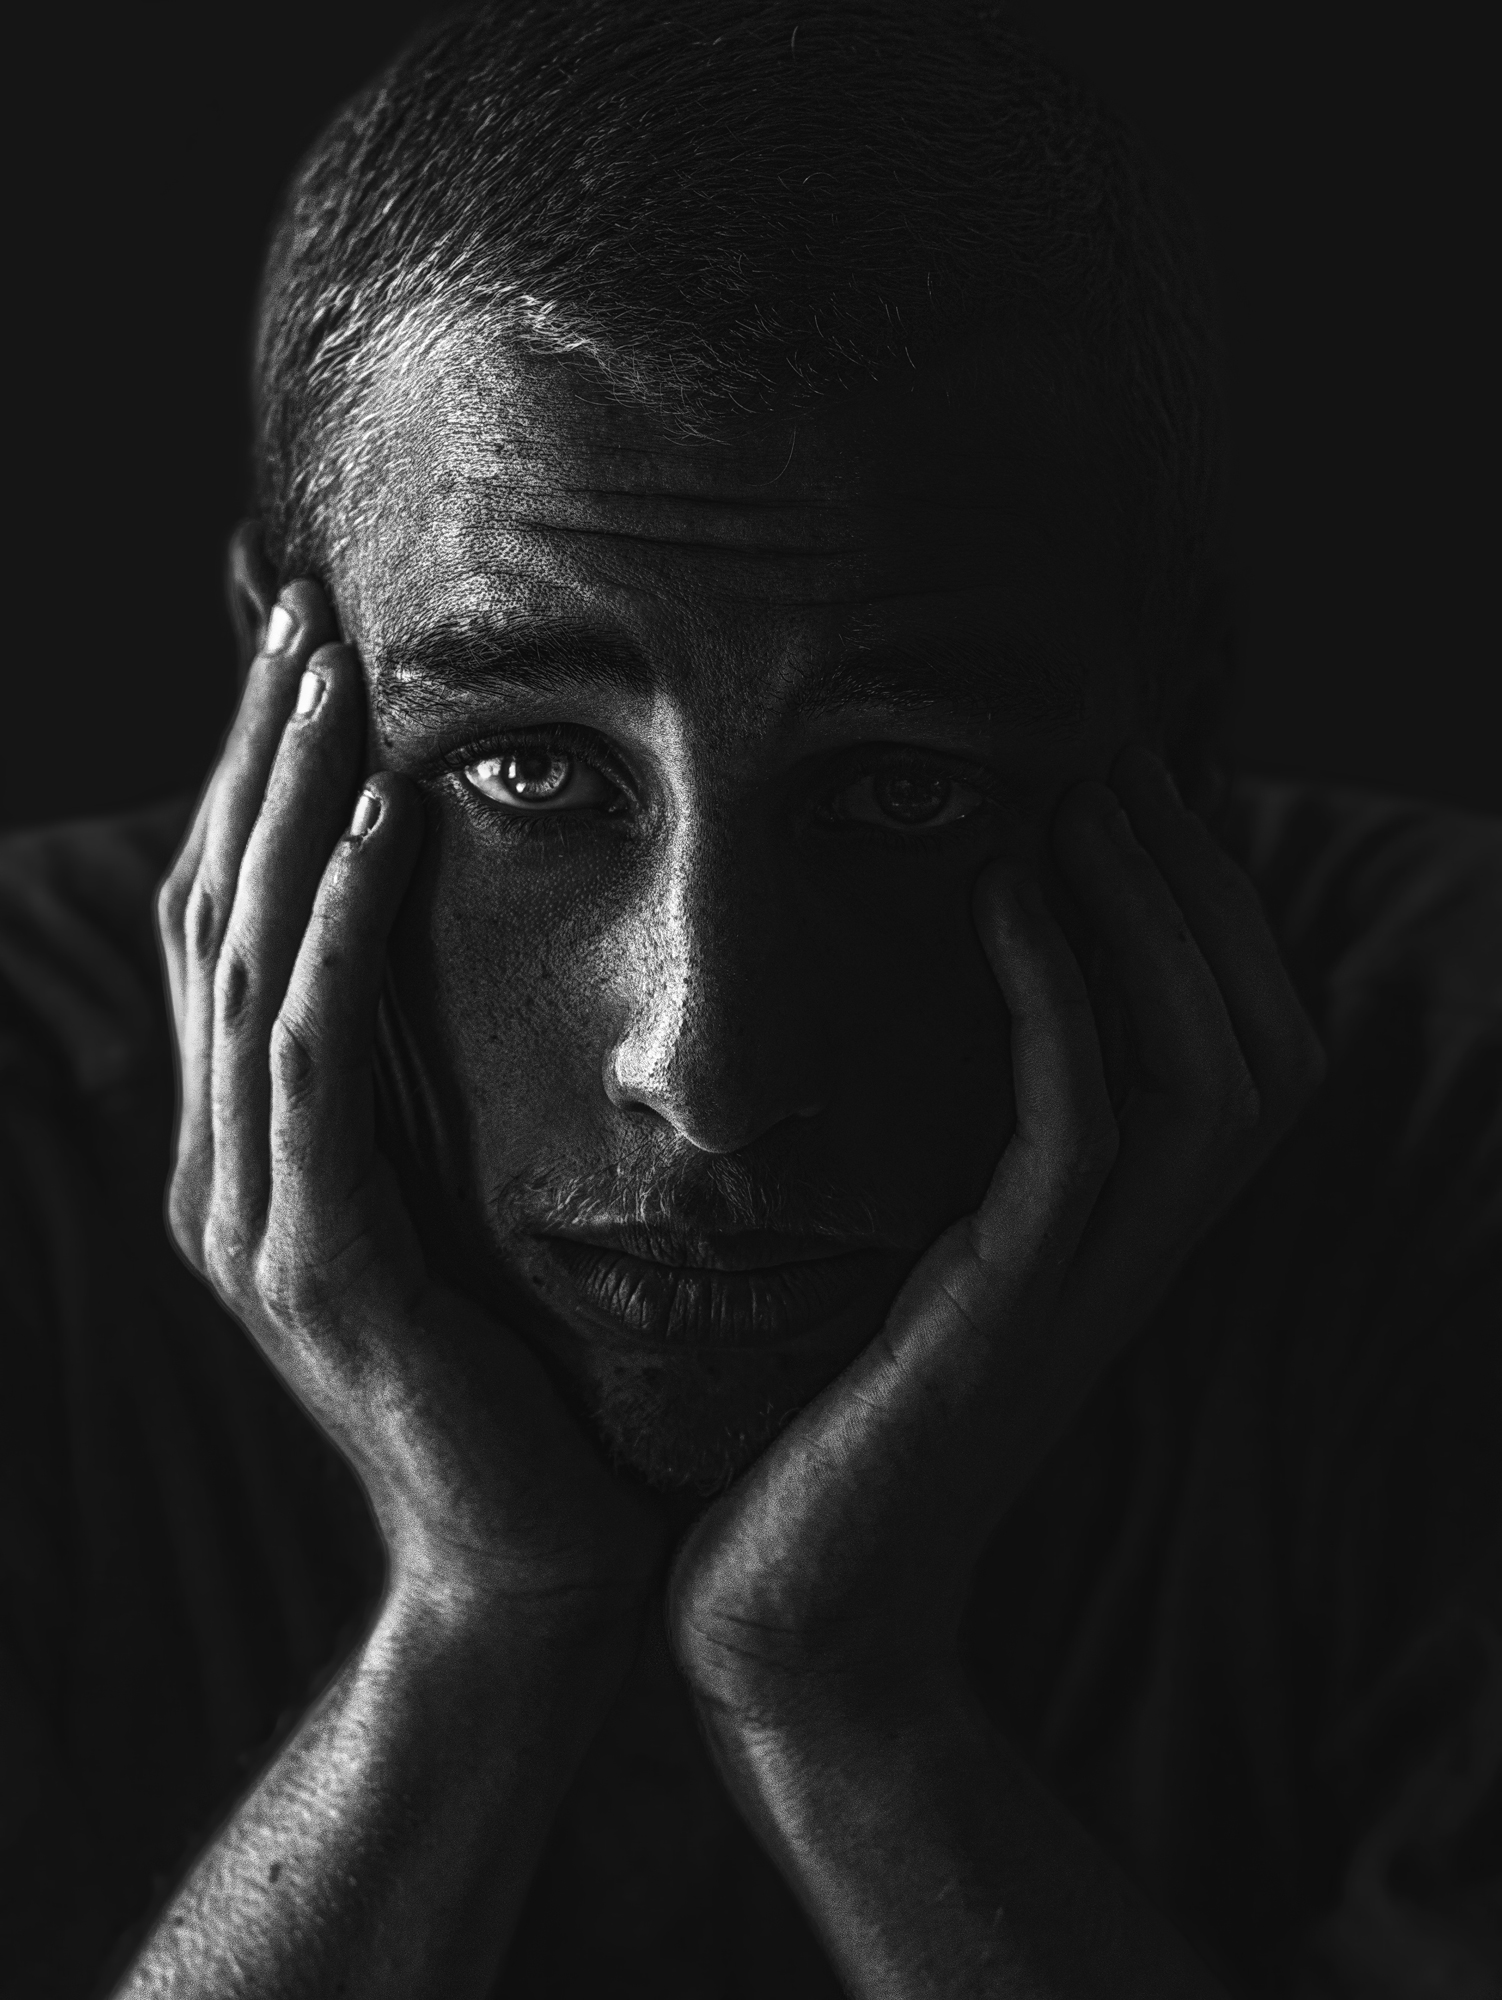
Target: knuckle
x=202 y=920
x=228 y=1256
x=295 y=1291
x=171 y=907
x=233 y=986
x=278 y=1283
x=293 y=1061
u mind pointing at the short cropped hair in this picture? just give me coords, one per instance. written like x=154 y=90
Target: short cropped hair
x=732 y=207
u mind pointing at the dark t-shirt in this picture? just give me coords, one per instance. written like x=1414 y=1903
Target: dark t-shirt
x=1247 y=1620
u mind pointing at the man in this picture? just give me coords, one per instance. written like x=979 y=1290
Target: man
x=920 y=1362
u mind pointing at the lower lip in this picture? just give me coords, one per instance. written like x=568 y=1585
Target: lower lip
x=663 y=1305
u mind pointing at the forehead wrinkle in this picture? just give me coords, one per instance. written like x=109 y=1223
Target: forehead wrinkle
x=636 y=567
x=741 y=528
x=438 y=672
x=682 y=545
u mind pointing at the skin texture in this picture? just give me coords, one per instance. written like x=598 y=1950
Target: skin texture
x=724 y=965
x=1017 y=1061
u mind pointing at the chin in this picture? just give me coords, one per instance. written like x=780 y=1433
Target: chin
x=691 y=1421
x=690 y=1417
x=685 y=1332
x=687 y=1356
x=677 y=1436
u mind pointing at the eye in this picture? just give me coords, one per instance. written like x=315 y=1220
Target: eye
x=538 y=778
x=903 y=797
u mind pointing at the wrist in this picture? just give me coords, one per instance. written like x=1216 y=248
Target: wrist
x=854 y=1751
x=567 y=1644
x=483 y=1577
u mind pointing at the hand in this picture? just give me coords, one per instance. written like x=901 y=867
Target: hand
x=274 y=922
x=833 y=1577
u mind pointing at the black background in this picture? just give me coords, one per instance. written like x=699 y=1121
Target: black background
x=1336 y=161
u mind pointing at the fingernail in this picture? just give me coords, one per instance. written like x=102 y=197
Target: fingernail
x=309 y=693
x=367 y=812
x=281 y=630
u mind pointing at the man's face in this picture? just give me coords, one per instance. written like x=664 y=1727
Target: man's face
x=694 y=1041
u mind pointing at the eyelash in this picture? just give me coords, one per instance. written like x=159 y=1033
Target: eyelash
x=590 y=750
x=873 y=763
x=572 y=742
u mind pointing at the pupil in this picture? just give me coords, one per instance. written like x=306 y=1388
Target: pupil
x=909 y=799
x=537 y=774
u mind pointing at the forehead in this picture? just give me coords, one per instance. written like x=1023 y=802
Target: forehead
x=948 y=518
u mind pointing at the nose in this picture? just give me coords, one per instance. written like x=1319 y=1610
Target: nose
x=722 y=1034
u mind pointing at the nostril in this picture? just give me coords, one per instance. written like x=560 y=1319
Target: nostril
x=720 y=1033
x=720 y=1094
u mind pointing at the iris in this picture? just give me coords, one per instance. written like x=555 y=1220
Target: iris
x=911 y=798
x=530 y=776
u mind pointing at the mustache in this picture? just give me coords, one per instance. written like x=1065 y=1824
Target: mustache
x=645 y=1184
x=714 y=1195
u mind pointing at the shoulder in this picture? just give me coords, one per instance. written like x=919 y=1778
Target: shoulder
x=1375 y=1240
x=1366 y=892
x=1388 y=913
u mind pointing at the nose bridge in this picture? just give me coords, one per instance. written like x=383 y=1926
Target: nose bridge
x=718 y=1038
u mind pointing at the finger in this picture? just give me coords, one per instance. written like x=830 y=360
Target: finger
x=1046 y=1358
x=967 y=1350
x=1065 y=1136
x=194 y=903
x=209 y=857
x=307 y=799
x=1185 y=1041
x=1225 y=914
x=1192 y=1139
x=323 y=1043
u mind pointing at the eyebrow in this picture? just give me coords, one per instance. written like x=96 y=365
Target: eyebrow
x=446 y=667
x=451 y=664
x=1021 y=683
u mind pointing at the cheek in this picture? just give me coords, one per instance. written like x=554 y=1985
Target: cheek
x=508 y=980
x=497 y=971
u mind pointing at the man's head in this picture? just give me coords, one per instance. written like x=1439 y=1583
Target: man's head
x=763 y=460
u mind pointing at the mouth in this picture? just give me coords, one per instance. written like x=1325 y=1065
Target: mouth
x=755 y=1289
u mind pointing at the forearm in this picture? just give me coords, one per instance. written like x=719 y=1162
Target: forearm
x=933 y=1862
x=388 y=1847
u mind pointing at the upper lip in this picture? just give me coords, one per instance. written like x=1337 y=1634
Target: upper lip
x=708 y=1250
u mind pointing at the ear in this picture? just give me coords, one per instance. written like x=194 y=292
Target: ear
x=251 y=584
